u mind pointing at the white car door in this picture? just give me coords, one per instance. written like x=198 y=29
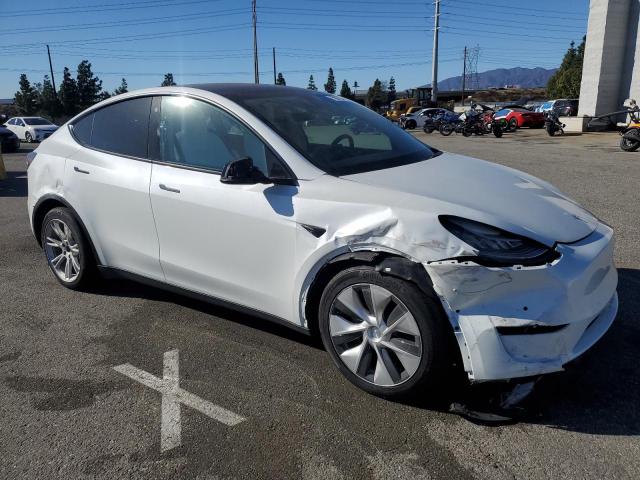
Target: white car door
x=233 y=242
x=107 y=182
x=20 y=128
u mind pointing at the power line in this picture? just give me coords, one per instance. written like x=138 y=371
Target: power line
x=323 y=12
x=96 y=8
x=302 y=70
x=128 y=23
x=517 y=27
x=509 y=7
x=127 y=38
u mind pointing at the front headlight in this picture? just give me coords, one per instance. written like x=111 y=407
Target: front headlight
x=495 y=246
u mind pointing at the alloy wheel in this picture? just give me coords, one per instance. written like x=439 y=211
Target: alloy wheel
x=62 y=250
x=375 y=335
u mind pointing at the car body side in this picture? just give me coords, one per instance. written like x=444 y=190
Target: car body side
x=524 y=119
x=576 y=293
x=20 y=127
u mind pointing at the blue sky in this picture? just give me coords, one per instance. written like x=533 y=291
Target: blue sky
x=210 y=40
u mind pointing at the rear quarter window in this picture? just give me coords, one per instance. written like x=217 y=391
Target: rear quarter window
x=82 y=129
x=121 y=128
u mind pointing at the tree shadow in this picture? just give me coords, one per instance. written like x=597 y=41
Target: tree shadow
x=15 y=185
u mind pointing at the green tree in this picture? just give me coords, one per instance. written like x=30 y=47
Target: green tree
x=123 y=88
x=312 y=84
x=27 y=97
x=89 y=86
x=330 y=86
x=280 y=80
x=345 y=91
x=49 y=103
x=68 y=94
x=565 y=83
x=168 y=80
x=376 y=96
x=391 y=94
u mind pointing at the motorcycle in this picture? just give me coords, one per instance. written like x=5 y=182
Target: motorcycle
x=447 y=128
x=552 y=123
x=630 y=141
x=473 y=123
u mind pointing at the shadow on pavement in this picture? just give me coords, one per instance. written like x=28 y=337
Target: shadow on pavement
x=15 y=185
x=131 y=289
x=600 y=392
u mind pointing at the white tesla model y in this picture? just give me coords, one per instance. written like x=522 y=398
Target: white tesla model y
x=404 y=259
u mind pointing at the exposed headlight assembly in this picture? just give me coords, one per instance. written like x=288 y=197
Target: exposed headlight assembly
x=495 y=246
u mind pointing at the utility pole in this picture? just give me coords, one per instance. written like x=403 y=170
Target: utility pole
x=255 y=42
x=53 y=80
x=464 y=72
x=434 y=71
x=275 y=81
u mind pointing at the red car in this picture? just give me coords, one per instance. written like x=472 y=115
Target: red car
x=517 y=117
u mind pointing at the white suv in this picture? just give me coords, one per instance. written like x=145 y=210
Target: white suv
x=404 y=259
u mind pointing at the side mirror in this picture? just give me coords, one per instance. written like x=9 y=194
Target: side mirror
x=242 y=172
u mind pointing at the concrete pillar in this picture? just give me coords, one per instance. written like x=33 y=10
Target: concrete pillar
x=630 y=87
x=604 y=57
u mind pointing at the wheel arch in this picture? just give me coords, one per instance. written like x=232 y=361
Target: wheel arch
x=386 y=262
x=48 y=203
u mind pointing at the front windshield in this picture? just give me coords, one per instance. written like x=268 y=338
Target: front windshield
x=36 y=121
x=363 y=141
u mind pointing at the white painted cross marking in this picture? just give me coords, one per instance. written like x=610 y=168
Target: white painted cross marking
x=172 y=397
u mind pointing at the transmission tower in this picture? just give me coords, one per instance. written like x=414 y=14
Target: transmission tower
x=471 y=68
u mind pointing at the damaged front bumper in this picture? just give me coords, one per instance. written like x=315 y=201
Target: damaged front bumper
x=524 y=321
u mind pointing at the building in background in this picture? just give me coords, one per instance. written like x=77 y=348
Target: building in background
x=611 y=69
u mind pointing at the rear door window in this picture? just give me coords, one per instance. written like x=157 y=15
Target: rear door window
x=122 y=128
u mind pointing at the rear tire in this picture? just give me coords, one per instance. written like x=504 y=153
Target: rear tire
x=28 y=138
x=410 y=357
x=629 y=145
x=68 y=252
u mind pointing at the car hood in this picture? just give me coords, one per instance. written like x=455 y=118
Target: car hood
x=486 y=192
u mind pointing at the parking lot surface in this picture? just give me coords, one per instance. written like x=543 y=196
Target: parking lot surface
x=66 y=413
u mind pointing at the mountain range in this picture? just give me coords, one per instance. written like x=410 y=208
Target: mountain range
x=522 y=77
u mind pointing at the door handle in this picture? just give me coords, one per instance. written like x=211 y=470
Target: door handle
x=168 y=189
x=79 y=170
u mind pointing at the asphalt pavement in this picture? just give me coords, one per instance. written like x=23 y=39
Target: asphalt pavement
x=65 y=412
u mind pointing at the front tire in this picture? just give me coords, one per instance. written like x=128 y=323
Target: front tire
x=513 y=125
x=67 y=250
x=446 y=129
x=383 y=333
x=28 y=138
x=629 y=145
